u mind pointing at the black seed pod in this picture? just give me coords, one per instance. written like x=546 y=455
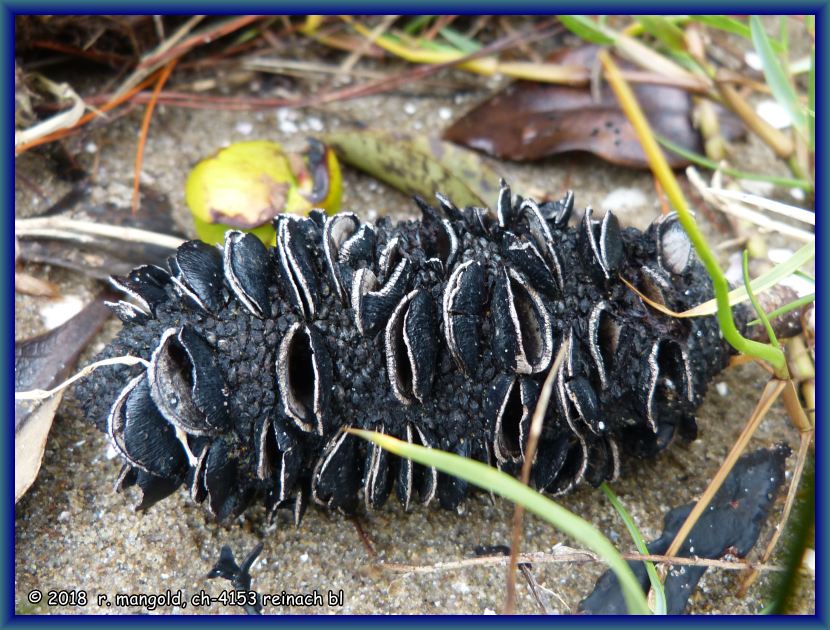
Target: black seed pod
x=439 y=332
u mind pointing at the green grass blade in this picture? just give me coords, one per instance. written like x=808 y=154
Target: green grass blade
x=461 y=42
x=755 y=303
x=417 y=24
x=761 y=283
x=637 y=537
x=428 y=44
x=811 y=101
x=703 y=161
x=802 y=301
x=667 y=32
x=784 y=35
x=514 y=490
x=724 y=23
x=584 y=27
x=732 y=25
x=805 y=275
x=777 y=79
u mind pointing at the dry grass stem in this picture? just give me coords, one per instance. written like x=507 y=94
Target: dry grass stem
x=773 y=388
x=715 y=198
x=530 y=454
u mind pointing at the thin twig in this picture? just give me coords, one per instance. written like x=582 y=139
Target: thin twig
x=284 y=66
x=69 y=229
x=114 y=102
x=40 y=394
x=714 y=197
x=803 y=449
x=145 y=128
x=64 y=120
x=364 y=538
x=142 y=71
x=529 y=455
x=773 y=388
x=776 y=140
x=158 y=59
x=109 y=58
x=387 y=83
x=570 y=556
x=358 y=52
x=793 y=212
x=538 y=591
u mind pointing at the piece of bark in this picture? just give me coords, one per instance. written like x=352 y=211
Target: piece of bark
x=731 y=524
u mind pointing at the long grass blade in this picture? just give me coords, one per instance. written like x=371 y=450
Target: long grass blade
x=700 y=160
x=763 y=282
x=584 y=27
x=461 y=42
x=755 y=303
x=514 y=490
x=811 y=101
x=777 y=79
x=734 y=26
x=637 y=537
x=802 y=301
x=668 y=33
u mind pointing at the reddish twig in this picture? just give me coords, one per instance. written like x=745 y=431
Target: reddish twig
x=664 y=204
x=145 y=127
x=110 y=104
x=179 y=99
x=110 y=59
x=198 y=39
x=189 y=100
x=529 y=455
x=364 y=538
x=443 y=21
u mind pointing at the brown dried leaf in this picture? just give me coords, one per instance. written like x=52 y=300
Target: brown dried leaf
x=530 y=120
x=42 y=362
x=101 y=257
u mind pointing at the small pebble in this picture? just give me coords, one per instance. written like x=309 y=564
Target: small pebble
x=56 y=312
x=409 y=108
x=797 y=194
x=244 y=127
x=622 y=199
x=722 y=389
x=445 y=113
x=286 y=120
x=753 y=60
x=461 y=587
x=774 y=114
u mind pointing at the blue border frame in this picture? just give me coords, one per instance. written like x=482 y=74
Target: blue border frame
x=8 y=11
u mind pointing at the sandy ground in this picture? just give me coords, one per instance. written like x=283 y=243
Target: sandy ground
x=73 y=532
